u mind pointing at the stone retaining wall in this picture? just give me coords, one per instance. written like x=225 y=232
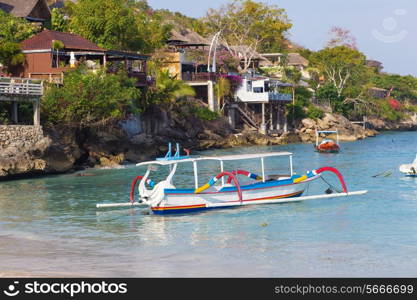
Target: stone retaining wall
x=19 y=135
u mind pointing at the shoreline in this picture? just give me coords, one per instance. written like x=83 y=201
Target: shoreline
x=66 y=150
x=259 y=140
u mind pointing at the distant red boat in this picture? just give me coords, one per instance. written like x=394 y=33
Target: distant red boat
x=327 y=145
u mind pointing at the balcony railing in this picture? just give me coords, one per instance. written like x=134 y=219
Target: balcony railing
x=20 y=86
x=279 y=97
x=199 y=76
x=57 y=78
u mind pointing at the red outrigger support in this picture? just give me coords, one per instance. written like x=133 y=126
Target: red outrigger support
x=338 y=174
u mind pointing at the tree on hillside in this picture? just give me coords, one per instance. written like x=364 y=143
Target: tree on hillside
x=227 y=62
x=88 y=98
x=153 y=31
x=58 y=20
x=56 y=46
x=341 y=37
x=182 y=22
x=111 y=24
x=118 y=24
x=247 y=27
x=10 y=55
x=167 y=90
x=222 y=90
x=14 y=29
x=292 y=76
x=339 y=65
x=403 y=87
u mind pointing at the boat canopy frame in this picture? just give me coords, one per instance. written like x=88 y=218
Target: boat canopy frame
x=221 y=160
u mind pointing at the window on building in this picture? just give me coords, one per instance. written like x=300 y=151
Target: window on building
x=249 y=86
x=258 y=89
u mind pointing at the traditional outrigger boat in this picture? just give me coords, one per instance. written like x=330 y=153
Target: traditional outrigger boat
x=327 y=145
x=164 y=197
x=410 y=170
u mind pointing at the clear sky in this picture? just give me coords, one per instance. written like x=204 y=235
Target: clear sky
x=386 y=30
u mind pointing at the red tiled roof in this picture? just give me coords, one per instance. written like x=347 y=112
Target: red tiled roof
x=43 y=40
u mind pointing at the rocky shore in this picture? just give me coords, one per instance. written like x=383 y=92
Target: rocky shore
x=65 y=149
x=347 y=130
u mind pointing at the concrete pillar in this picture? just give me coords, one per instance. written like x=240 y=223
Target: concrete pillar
x=263 y=125
x=271 y=117
x=285 y=122
x=36 y=113
x=279 y=117
x=15 y=117
x=231 y=114
x=210 y=96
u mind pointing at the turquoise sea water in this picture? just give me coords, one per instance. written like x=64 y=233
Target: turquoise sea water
x=50 y=227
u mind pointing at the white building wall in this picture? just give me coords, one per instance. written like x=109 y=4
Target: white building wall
x=247 y=96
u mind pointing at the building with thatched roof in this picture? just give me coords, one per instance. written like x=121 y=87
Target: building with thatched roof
x=31 y=10
x=296 y=60
x=186 y=38
x=377 y=65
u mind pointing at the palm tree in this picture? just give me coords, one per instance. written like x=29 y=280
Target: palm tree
x=222 y=89
x=169 y=89
x=57 y=45
x=293 y=76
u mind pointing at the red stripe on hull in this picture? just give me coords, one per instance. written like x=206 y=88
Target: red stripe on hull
x=160 y=208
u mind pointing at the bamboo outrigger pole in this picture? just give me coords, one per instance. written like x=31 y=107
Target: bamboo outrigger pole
x=240 y=203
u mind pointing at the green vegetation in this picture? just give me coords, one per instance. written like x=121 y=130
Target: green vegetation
x=342 y=81
x=403 y=87
x=340 y=65
x=87 y=98
x=204 y=113
x=181 y=21
x=302 y=107
x=167 y=90
x=12 y=31
x=222 y=89
x=339 y=77
x=11 y=55
x=118 y=24
x=249 y=26
x=110 y=24
x=58 y=20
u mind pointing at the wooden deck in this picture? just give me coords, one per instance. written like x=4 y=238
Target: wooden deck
x=20 y=88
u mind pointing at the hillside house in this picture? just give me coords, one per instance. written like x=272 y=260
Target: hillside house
x=291 y=59
x=377 y=65
x=35 y=11
x=378 y=93
x=261 y=103
x=43 y=62
x=175 y=55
